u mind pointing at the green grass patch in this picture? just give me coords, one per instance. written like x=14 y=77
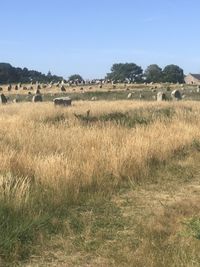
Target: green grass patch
x=129 y=119
x=194 y=227
x=18 y=231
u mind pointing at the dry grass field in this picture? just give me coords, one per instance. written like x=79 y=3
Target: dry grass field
x=116 y=186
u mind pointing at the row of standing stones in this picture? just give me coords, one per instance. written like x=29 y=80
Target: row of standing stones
x=19 y=86
x=61 y=101
x=38 y=87
x=66 y=101
x=161 y=96
x=176 y=95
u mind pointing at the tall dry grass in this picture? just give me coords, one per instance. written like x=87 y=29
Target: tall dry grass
x=49 y=157
x=53 y=148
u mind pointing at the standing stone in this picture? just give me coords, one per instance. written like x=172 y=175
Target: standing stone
x=37 y=98
x=3 y=99
x=16 y=100
x=176 y=95
x=63 y=88
x=141 y=96
x=129 y=96
x=161 y=96
x=62 y=101
x=37 y=92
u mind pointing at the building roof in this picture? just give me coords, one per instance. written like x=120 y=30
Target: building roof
x=196 y=76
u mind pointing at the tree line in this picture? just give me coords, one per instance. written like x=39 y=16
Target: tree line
x=120 y=72
x=131 y=72
x=10 y=74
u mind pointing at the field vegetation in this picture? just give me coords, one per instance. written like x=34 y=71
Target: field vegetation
x=100 y=184
x=109 y=92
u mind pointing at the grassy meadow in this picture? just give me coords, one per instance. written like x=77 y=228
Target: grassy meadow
x=100 y=183
x=106 y=92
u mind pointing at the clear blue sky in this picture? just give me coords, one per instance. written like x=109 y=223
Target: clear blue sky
x=88 y=36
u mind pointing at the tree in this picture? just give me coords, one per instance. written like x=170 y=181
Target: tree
x=125 y=71
x=7 y=73
x=173 y=73
x=75 y=77
x=10 y=74
x=49 y=74
x=153 y=73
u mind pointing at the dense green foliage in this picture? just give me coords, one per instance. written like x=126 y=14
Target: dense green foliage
x=120 y=72
x=9 y=74
x=75 y=77
x=173 y=73
x=153 y=73
x=128 y=71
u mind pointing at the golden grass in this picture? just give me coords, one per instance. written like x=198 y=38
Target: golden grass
x=68 y=153
x=50 y=151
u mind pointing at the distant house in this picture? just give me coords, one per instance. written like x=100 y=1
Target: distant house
x=192 y=79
